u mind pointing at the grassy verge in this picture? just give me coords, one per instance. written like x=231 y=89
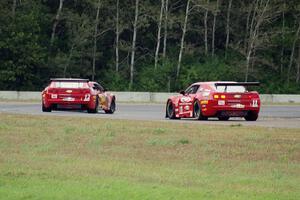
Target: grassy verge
x=73 y=158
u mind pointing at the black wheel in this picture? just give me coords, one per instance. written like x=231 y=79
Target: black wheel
x=170 y=111
x=197 y=111
x=251 y=116
x=112 y=108
x=44 y=109
x=94 y=110
x=223 y=118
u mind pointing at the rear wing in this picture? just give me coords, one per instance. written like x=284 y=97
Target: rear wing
x=69 y=79
x=238 y=84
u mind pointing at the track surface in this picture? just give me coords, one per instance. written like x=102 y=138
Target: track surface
x=270 y=116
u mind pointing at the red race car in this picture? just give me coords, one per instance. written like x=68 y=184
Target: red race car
x=215 y=99
x=77 y=94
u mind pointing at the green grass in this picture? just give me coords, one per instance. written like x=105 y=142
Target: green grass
x=74 y=158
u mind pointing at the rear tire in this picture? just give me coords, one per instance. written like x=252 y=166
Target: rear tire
x=44 y=109
x=112 y=108
x=94 y=110
x=251 y=116
x=197 y=111
x=223 y=118
x=170 y=111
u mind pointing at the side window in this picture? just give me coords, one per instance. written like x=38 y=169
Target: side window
x=95 y=86
x=99 y=87
x=192 y=90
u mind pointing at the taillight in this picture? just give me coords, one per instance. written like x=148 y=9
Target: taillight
x=219 y=96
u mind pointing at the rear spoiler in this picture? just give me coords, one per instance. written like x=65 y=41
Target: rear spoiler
x=238 y=84
x=69 y=79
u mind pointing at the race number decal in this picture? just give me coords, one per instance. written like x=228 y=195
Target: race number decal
x=254 y=103
x=87 y=97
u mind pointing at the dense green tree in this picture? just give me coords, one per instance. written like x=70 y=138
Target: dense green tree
x=150 y=45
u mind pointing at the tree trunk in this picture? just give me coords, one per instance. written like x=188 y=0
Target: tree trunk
x=158 y=34
x=166 y=29
x=133 y=43
x=253 y=60
x=292 y=54
x=14 y=8
x=282 y=39
x=214 y=30
x=247 y=28
x=298 y=66
x=117 y=38
x=255 y=10
x=182 y=38
x=95 y=40
x=56 y=20
x=247 y=65
x=227 y=24
x=69 y=60
x=253 y=33
x=205 y=30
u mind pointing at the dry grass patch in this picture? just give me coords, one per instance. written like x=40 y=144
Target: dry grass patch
x=120 y=159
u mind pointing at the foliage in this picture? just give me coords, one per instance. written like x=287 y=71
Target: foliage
x=28 y=59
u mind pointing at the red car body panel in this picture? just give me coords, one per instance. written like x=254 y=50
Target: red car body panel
x=80 y=95
x=214 y=103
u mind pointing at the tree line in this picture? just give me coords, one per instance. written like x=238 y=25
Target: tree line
x=150 y=45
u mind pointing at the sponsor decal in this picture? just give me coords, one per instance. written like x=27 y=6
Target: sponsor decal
x=180 y=109
x=185 y=104
x=185 y=99
x=238 y=106
x=69 y=99
x=221 y=102
x=205 y=94
x=102 y=99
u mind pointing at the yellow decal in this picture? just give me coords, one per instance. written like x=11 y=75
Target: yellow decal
x=102 y=100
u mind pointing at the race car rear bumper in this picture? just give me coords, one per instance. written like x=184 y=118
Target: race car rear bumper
x=228 y=111
x=59 y=104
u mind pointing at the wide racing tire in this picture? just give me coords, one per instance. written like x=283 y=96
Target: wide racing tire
x=112 y=108
x=45 y=109
x=94 y=110
x=223 y=118
x=170 y=110
x=251 y=116
x=197 y=111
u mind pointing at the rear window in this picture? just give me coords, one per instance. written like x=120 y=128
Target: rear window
x=237 y=88
x=64 y=84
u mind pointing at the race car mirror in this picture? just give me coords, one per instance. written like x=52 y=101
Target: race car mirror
x=182 y=92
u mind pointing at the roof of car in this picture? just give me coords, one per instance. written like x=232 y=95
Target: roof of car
x=228 y=83
x=69 y=79
x=213 y=82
